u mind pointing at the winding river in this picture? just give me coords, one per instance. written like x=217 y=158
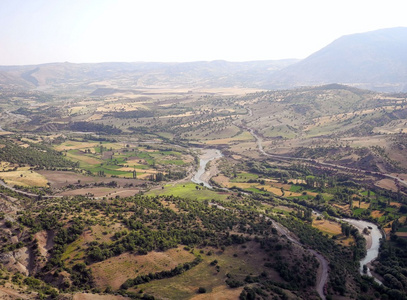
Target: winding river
x=372 y=243
x=202 y=176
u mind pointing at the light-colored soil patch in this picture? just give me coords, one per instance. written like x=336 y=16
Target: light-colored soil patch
x=10 y=291
x=95 y=117
x=396 y=204
x=86 y=296
x=45 y=241
x=24 y=178
x=220 y=293
x=402 y=234
x=116 y=270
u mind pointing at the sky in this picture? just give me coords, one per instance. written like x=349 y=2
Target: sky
x=85 y=31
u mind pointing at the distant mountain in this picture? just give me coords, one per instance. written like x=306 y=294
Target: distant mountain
x=374 y=60
x=203 y=74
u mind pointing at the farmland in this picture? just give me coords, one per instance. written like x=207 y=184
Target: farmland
x=102 y=187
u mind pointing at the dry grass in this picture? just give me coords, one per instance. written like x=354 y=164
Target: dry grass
x=332 y=229
x=87 y=296
x=245 y=136
x=275 y=188
x=377 y=213
x=220 y=293
x=73 y=145
x=121 y=107
x=24 y=178
x=363 y=205
x=185 y=286
x=116 y=270
x=387 y=184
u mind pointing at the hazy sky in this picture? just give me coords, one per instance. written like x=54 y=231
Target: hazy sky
x=41 y=31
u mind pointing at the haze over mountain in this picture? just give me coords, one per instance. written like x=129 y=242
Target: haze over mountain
x=140 y=74
x=374 y=60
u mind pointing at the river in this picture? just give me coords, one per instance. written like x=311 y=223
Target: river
x=372 y=243
x=202 y=176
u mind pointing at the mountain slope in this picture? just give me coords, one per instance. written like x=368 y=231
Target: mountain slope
x=140 y=74
x=375 y=60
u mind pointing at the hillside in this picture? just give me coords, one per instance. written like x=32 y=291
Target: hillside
x=374 y=60
x=213 y=74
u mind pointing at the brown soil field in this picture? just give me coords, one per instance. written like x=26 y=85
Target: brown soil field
x=116 y=270
x=387 y=184
x=402 y=234
x=60 y=179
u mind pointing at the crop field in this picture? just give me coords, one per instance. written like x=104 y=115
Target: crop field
x=189 y=191
x=122 y=160
x=118 y=160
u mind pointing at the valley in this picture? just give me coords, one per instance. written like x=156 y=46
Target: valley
x=202 y=193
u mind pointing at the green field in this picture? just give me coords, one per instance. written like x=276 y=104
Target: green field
x=190 y=191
